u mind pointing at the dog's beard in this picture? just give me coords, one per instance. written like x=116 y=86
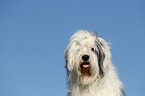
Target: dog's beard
x=87 y=71
x=85 y=68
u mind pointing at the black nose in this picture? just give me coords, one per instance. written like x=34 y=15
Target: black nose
x=85 y=57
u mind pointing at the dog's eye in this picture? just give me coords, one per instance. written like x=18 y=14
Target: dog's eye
x=92 y=49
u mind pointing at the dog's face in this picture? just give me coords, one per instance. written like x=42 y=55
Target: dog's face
x=84 y=56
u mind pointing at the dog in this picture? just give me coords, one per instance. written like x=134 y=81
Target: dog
x=89 y=67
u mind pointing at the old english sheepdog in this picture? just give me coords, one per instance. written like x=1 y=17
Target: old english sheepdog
x=89 y=68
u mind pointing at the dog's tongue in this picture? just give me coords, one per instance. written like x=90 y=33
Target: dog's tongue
x=85 y=66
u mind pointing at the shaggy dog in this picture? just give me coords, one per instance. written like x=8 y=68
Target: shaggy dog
x=89 y=68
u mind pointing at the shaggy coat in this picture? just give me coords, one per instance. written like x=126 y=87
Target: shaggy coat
x=89 y=67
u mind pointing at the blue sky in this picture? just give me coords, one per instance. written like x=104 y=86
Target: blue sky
x=34 y=35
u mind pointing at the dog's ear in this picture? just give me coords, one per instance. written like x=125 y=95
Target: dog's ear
x=68 y=64
x=95 y=33
x=101 y=57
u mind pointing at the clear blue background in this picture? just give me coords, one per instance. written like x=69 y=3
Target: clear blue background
x=34 y=35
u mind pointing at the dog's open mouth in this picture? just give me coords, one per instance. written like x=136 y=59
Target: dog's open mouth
x=85 y=68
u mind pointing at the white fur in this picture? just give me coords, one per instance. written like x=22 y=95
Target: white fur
x=94 y=85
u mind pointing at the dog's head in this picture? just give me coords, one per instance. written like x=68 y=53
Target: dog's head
x=85 y=56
